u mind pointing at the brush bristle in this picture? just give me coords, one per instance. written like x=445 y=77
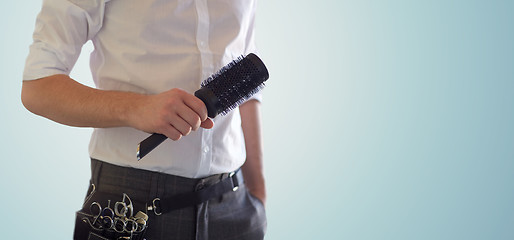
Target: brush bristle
x=237 y=82
x=221 y=71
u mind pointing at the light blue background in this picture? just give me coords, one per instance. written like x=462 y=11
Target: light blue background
x=383 y=120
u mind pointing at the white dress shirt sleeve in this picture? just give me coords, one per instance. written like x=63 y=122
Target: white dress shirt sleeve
x=62 y=28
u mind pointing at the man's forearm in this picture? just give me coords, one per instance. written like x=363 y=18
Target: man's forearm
x=66 y=101
x=173 y=113
x=253 y=167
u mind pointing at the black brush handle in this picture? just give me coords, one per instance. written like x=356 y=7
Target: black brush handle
x=149 y=144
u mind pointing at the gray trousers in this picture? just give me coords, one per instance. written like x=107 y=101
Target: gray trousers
x=234 y=215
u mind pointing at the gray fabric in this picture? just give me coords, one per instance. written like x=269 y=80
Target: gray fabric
x=235 y=215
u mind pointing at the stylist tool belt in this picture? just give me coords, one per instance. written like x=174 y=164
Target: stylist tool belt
x=117 y=207
x=105 y=218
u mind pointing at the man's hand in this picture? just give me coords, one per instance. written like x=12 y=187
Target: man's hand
x=174 y=113
x=253 y=169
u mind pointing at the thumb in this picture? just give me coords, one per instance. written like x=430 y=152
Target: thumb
x=207 y=124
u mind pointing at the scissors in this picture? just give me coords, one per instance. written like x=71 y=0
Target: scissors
x=119 y=219
x=121 y=209
x=103 y=217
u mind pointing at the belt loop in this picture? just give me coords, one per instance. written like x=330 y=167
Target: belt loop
x=235 y=182
x=96 y=167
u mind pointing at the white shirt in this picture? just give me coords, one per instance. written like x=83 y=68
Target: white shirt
x=149 y=47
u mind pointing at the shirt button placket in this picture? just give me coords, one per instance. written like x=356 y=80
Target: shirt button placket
x=202 y=42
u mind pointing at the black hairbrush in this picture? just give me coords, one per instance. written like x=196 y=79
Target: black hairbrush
x=222 y=92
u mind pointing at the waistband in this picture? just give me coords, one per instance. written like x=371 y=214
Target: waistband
x=156 y=189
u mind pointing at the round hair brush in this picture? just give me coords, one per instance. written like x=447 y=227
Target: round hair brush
x=222 y=92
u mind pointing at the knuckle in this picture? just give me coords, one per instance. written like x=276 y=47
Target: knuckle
x=185 y=130
x=175 y=136
x=197 y=124
x=177 y=91
x=171 y=104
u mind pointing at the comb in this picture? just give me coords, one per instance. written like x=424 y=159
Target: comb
x=223 y=91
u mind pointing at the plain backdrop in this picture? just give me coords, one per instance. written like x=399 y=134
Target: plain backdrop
x=387 y=119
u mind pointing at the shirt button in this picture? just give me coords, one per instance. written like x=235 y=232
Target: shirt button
x=206 y=149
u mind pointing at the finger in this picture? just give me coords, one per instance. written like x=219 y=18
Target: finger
x=172 y=133
x=207 y=124
x=197 y=106
x=190 y=116
x=182 y=126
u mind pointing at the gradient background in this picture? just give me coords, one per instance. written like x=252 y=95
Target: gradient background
x=383 y=120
